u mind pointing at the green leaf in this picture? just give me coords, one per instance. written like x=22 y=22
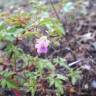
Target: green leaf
x=6 y=82
x=61 y=77
x=59 y=86
x=11 y=29
x=3 y=83
x=75 y=75
x=2 y=26
x=51 y=80
x=54 y=26
x=63 y=63
x=10 y=84
x=6 y=74
x=44 y=63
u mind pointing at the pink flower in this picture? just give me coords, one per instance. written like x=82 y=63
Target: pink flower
x=42 y=45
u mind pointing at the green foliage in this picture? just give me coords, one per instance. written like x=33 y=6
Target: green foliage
x=2 y=25
x=6 y=81
x=54 y=26
x=14 y=49
x=10 y=34
x=31 y=82
x=57 y=81
x=42 y=63
x=61 y=62
x=74 y=75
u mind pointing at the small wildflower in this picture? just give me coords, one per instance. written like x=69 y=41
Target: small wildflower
x=42 y=45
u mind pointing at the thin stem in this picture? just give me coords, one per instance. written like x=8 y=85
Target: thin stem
x=56 y=13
